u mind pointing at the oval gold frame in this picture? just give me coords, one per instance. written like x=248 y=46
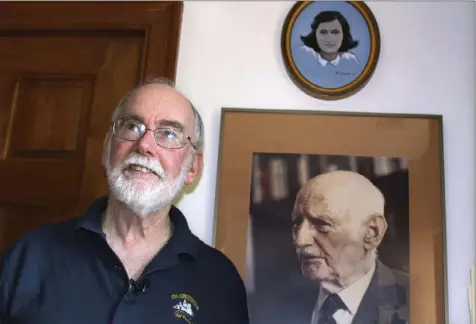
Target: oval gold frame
x=325 y=93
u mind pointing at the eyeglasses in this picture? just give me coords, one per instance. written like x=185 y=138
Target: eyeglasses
x=168 y=137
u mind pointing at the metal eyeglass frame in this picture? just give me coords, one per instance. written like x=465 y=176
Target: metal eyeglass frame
x=114 y=124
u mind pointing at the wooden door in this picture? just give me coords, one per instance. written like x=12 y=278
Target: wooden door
x=63 y=68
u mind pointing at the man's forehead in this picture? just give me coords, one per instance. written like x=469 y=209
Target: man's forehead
x=308 y=197
x=314 y=203
x=160 y=102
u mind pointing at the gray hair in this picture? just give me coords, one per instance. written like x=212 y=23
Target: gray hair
x=198 y=139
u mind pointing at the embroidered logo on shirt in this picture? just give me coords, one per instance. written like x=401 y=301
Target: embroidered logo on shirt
x=185 y=308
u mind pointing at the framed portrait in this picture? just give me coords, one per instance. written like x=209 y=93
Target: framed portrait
x=330 y=49
x=350 y=205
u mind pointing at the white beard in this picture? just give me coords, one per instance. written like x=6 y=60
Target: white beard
x=143 y=196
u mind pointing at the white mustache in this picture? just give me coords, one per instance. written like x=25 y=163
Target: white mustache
x=145 y=162
x=308 y=254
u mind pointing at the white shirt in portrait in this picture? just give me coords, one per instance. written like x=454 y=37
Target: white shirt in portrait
x=351 y=296
x=335 y=62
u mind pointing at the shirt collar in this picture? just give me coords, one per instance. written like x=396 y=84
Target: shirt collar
x=183 y=241
x=324 y=62
x=352 y=295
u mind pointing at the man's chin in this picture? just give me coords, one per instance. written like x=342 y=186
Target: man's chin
x=129 y=190
x=143 y=208
x=314 y=272
x=138 y=195
x=142 y=186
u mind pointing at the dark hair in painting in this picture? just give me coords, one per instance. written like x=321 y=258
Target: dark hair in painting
x=348 y=42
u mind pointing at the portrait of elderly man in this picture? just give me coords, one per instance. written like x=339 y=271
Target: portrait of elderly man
x=338 y=224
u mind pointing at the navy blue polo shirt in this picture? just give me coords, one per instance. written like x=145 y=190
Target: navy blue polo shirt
x=66 y=273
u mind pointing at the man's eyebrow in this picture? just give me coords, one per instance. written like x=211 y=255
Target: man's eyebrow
x=161 y=123
x=322 y=217
x=171 y=123
x=133 y=117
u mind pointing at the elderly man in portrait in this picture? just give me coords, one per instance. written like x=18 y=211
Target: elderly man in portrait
x=338 y=225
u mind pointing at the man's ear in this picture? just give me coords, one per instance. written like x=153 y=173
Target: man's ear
x=376 y=227
x=195 y=168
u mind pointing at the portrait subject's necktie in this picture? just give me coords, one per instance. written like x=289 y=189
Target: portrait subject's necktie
x=331 y=305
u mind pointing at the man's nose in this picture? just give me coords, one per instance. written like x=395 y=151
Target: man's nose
x=303 y=235
x=147 y=144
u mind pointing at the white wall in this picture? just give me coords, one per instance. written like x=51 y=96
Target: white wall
x=230 y=56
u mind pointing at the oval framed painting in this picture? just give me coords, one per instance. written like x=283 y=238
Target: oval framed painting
x=330 y=48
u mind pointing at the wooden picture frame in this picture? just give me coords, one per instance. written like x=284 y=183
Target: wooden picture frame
x=330 y=49
x=415 y=142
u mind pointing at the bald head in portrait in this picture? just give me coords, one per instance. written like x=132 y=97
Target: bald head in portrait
x=338 y=225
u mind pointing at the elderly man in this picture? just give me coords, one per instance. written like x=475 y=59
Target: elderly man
x=131 y=257
x=338 y=224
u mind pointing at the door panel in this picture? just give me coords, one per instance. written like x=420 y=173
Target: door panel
x=59 y=83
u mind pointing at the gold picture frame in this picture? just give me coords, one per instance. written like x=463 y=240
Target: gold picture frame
x=417 y=138
x=347 y=64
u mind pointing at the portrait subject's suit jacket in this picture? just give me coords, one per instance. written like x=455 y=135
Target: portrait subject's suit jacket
x=386 y=300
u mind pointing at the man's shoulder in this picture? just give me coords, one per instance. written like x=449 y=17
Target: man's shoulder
x=387 y=297
x=218 y=266
x=40 y=240
x=393 y=285
x=215 y=258
x=401 y=277
x=209 y=258
x=51 y=231
x=390 y=275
